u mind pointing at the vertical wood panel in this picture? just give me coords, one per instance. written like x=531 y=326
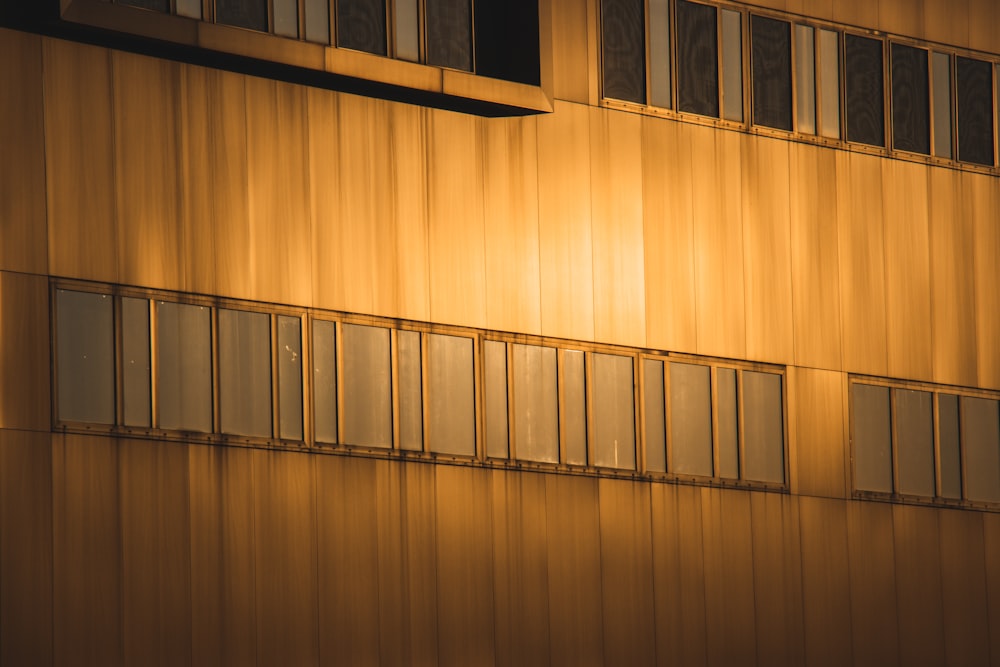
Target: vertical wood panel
x=983 y=16
x=815 y=260
x=678 y=574
x=963 y=587
x=574 y=560
x=455 y=203
x=279 y=191
x=718 y=242
x=668 y=235
x=223 y=608
x=510 y=205
x=766 y=249
x=22 y=170
x=825 y=581
x=918 y=585
x=25 y=548
x=616 y=223
x=24 y=352
x=285 y=557
x=347 y=537
x=86 y=552
x=818 y=430
x=564 y=228
x=464 y=566
x=946 y=22
x=156 y=552
x=329 y=265
x=902 y=18
x=862 y=277
x=626 y=572
x=907 y=269
x=856 y=12
x=980 y=204
x=729 y=577
x=146 y=182
x=79 y=161
x=873 y=584
x=569 y=50
x=520 y=578
x=991 y=542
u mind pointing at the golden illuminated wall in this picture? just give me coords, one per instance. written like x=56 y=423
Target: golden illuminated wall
x=588 y=223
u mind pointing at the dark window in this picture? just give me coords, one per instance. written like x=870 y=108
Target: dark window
x=863 y=84
x=290 y=377
x=451 y=402
x=449 y=33
x=411 y=421
x=361 y=25
x=771 y=58
x=536 y=403
x=975 y=111
x=613 y=411
x=184 y=366
x=729 y=443
x=324 y=358
x=244 y=373
x=85 y=357
x=495 y=395
x=872 y=438
x=691 y=419
x=653 y=407
x=250 y=14
x=914 y=415
x=697 y=59
x=507 y=40
x=572 y=383
x=910 y=113
x=367 y=385
x=135 y=362
x=624 y=39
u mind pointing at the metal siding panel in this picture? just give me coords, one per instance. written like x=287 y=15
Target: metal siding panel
x=963 y=587
x=874 y=628
x=25 y=352
x=918 y=585
x=991 y=542
x=980 y=202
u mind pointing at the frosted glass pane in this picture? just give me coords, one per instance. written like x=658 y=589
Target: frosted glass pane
x=805 y=79
x=655 y=416
x=732 y=65
x=136 y=362
x=729 y=453
x=948 y=439
x=411 y=421
x=574 y=406
x=245 y=373
x=367 y=386
x=189 y=8
x=913 y=412
x=536 y=403
x=290 y=377
x=317 y=21
x=325 y=380
x=286 y=18
x=495 y=387
x=872 y=438
x=184 y=366
x=763 y=431
x=85 y=357
x=451 y=404
x=690 y=419
x=659 y=53
x=829 y=83
x=942 y=104
x=613 y=411
x=981 y=447
x=407 y=30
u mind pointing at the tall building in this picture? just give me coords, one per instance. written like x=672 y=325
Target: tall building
x=470 y=332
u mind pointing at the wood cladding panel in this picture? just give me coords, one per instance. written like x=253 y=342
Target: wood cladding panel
x=617 y=229
x=991 y=543
x=223 y=563
x=22 y=170
x=901 y=18
x=874 y=632
x=980 y=203
x=569 y=49
x=24 y=352
x=510 y=206
x=815 y=270
x=456 y=235
x=818 y=432
x=963 y=588
x=983 y=22
x=26 y=555
x=79 y=161
x=766 y=249
x=330 y=278
x=945 y=22
x=565 y=242
x=520 y=571
x=146 y=100
x=918 y=585
x=86 y=551
x=668 y=236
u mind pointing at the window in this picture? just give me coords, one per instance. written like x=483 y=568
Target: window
x=324 y=355
x=942 y=105
x=367 y=385
x=536 y=403
x=244 y=373
x=85 y=357
x=771 y=61
x=697 y=59
x=495 y=390
x=910 y=94
x=623 y=32
x=691 y=419
x=974 y=86
x=613 y=411
x=451 y=423
x=863 y=90
x=184 y=366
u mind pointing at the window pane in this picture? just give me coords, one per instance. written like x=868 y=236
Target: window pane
x=411 y=420
x=286 y=18
x=872 y=438
x=914 y=415
x=290 y=377
x=244 y=373
x=536 y=403
x=250 y=14
x=85 y=351
x=975 y=110
x=697 y=59
x=184 y=366
x=361 y=25
x=829 y=83
x=407 y=30
x=659 y=53
x=613 y=411
x=771 y=42
x=910 y=113
x=948 y=434
x=451 y=404
x=495 y=381
x=981 y=444
x=325 y=380
x=367 y=386
x=805 y=79
x=623 y=36
x=942 y=104
x=574 y=406
x=189 y=8
x=655 y=417
x=317 y=21
x=863 y=85
x=763 y=432
x=690 y=419
x=158 y=5
x=449 y=33
x=135 y=362
x=729 y=439
x=732 y=65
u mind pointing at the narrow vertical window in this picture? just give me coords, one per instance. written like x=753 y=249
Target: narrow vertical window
x=536 y=403
x=289 y=377
x=184 y=366
x=691 y=419
x=324 y=358
x=317 y=15
x=136 y=383
x=659 y=53
x=771 y=60
x=655 y=416
x=244 y=373
x=728 y=417
x=829 y=83
x=623 y=34
x=495 y=396
x=864 y=90
x=189 y=8
x=913 y=412
x=763 y=442
x=697 y=59
x=411 y=421
x=613 y=400
x=286 y=18
x=407 y=33
x=981 y=445
x=732 y=65
x=250 y=14
x=361 y=25
x=574 y=406
x=85 y=357
x=366 y=382
x=805 y=79
x=974 y=79
x=872 y=438
x=451 y=403
x=910 y=112
x=449 y=33
x=949 y=455
x=941 y=76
